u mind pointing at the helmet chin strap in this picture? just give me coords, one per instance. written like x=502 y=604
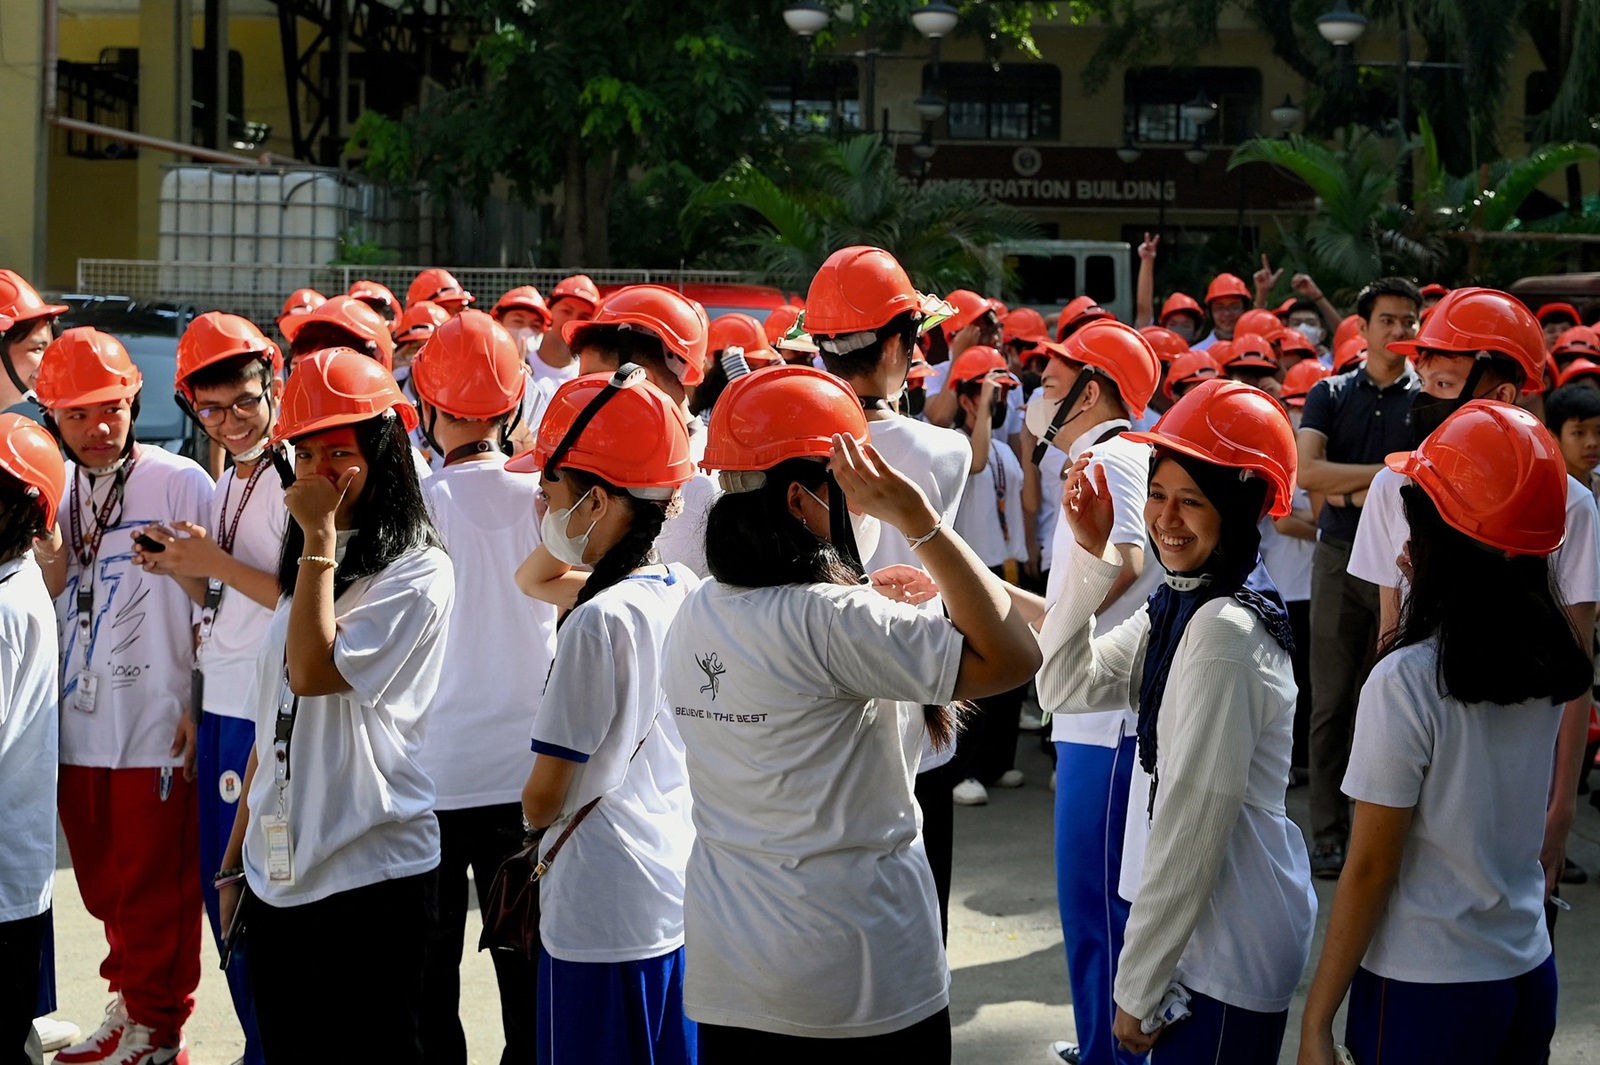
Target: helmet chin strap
x=840 y=532
x=1061 y=420
x=16 y=379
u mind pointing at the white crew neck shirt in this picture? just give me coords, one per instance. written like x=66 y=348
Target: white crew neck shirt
x=29 y=740
x=228 y=657
x=992 y=491
x=1288 y=558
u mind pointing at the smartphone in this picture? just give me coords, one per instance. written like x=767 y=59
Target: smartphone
x=281 y=463
x=150 y=543
x=235 y=928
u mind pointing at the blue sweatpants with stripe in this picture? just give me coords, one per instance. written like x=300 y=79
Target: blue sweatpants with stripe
x=614 y=1013
x=1217 y=1032
x=1492 y=1022
x=1091 y=810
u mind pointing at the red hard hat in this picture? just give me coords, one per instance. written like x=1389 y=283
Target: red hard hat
x=1433 y=288
x=860 y=289
x=1260 y=321
x=637 y=439
x=1350 y=354
x=1236 y=426
x=1025 y=325
x=370 y=292
x=969 y=307
x=30 y=454
x=470 y=368
x=677 y=321
x=1349 y=326
x=20 y=302
x=1580 y=340
x=1299 y=378
x=1227 y=286
x=1293 y=340
x=1189 y=368
x=1251 y=351
x=419 y=321
x=1164 y=342
x=1180 y=303
x=1079 y=312
x=976 y=363
x=523 y=298
x=737 y=330
x=301 y=301
x=84 y=366
x=1496 y=475
x=353 y=317
x=1550 y=310
x=1281 y=311
x=334 y=387
x=576 y=287
x=1577 y=368
x=215 y=336
x=1120 y=353
x=919 y=370
x=439 y=286
x=1470 y=320
x=1220 y=351
x=779 y=413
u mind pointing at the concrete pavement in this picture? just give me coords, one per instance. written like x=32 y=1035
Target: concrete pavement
x=1009 y=978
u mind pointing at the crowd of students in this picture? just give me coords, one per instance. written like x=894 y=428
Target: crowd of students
x=735 y=612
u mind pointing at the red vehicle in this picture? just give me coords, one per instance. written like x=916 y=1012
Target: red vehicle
x=718 y=299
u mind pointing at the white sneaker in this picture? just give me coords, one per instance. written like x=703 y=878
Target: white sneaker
x=1064 y=1053
x=138 y=1048
x=101 y=1043
x=55 y=1034
x=1011 y=778
x=970 y=793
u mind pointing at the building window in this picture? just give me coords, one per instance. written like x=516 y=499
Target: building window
x=1016 y=102
x=824 y=100
x=1153 y=98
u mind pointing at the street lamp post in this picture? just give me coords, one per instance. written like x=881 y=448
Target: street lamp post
x=934 y=21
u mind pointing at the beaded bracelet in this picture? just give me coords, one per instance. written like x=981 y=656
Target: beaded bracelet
x=324 y=559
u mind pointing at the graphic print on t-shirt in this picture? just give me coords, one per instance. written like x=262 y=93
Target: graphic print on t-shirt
x=122 y=607
x=713 y=668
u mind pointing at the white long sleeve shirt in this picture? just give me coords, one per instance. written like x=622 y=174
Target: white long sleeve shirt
x=1225 y=905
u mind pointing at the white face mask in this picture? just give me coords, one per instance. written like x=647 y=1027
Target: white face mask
x=866 y=529
x=1311 y=331
x=562 y=546
x=528 y=339
x=1038 y=415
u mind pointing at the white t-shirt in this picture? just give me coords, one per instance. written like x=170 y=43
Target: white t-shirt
x=141 y=645
x=29 y=731
x=683 y=538
x=1052 y=486
x=536 y=399
x=1127 y=467
x=228 y=657
x=500 y=642
x=1288 y=558
x=1469 y=901
x=543 y=371
x=360 y=806
x=1383 y=532
x=615 y=892
x=992 y=491
x=811 y=908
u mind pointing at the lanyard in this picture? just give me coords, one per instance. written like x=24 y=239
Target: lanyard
x=282 y=734
x=87 y=551
x=226 y=533
x=999 y=475
x=467 y=451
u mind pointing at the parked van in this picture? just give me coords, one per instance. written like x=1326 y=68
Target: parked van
x=1046 y=274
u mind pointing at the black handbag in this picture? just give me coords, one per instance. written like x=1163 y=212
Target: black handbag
x=511 y=913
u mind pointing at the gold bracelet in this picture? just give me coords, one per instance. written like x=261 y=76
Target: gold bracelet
x=324 y=559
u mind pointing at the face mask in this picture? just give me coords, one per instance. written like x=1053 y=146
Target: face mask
x=866 y=529
x=1427 y=414
x=528 y=340
x=1039 y=413
x=562 y=546
x=1312 y=332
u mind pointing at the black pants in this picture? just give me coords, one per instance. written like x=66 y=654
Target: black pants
x=478 y=839
x=1344 y=637
x=20 y=944
x=360 y=953
x=925 y=1043
x=989 y=744
x=938 y=832
x=1300 y=626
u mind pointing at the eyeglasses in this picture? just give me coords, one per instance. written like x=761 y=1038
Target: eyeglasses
x=243 y=407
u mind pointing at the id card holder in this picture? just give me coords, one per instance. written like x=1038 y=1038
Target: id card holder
x=197 y=693
x=83 y=697
x=280 y=849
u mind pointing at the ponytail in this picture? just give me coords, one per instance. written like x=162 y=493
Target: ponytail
x=636 y=548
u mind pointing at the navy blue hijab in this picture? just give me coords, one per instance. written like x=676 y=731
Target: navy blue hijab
x=1234 y=570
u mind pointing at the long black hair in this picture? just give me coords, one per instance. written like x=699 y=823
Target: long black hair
x=1503 y=634
x=637 y=546
x=389 y=516
x=21 y=518
x=753 y=541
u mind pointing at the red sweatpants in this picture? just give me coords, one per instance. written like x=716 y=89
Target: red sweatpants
x=136 y=855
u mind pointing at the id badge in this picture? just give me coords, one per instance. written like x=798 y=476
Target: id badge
x=83 y=698
x=280 y=851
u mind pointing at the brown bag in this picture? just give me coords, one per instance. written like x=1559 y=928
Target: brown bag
x=511 y=915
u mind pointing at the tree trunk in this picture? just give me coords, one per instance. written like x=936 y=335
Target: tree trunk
x=597 y=210
x=585 y=207
x=573 y=204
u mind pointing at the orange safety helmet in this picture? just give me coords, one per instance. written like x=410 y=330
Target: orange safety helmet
x=780 y=323
x=1293 y=340
x=338 y=386
x=1078 y=312
x=1579 y=341
x=20 y=301
x=1164 y=342
x=1236 y=426
x=1260 y=321
x=1190 y=368
x=1281 y=311
x=1250 y=351
x=84 y=366
x=30 y=454
x=1024 y=326
x=1565 y=310
x=354 y=318
x=576 y=287
x=377 y=297
x=919 y=370
x=215 y=336
x=1181 y=303
x=861 y=289
x=780 y=413
x=628 y=433
x=1299 y=378
x=976 y=363
x=679 y=322
x=470 y=368
x=1470 y=320
x=438 y=286
x=1577 y=368
x=1433 y=288
x=1220 y=351
x=419 y=321
x=1227 y=286
x=1350 y=354
x=301 y=301
x=969 y=307
x=1349 y=326
x=1119 y=352
x=523 y=298
x=741 y=331
x=1496 y=475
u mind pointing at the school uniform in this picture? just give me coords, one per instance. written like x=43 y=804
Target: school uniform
x=127 y=651
x=247 y=519
x=683 y=537
x=1288 y=560
x=29 y=749
x=497 y=654
x=1223 y=905
x=611 y=906
x=1095 y=761
x=340 y=904
x=1463 y=930
x=811 y=911
x=1052 y=489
